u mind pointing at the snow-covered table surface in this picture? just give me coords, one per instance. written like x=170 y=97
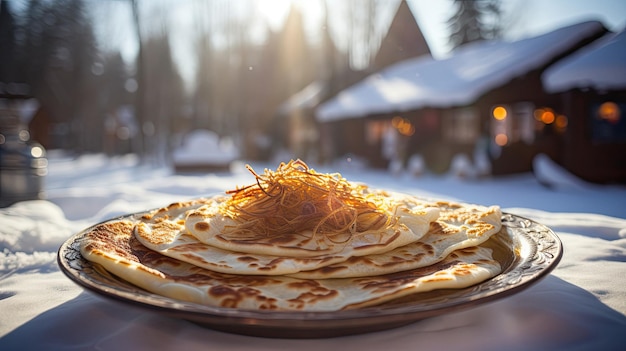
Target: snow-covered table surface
x=580 y=306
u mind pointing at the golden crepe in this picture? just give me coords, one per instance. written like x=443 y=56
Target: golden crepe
x=297 y=212
x=302 y=241
x=164 y=231
x=114 y=246
x=458 y=226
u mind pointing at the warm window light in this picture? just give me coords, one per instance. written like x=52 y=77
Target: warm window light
x=396 y=121
x=547 y=117
x=403 y=125
x=501 y=139
x=406 y=128
x=560 y=122
x=609 y=111
x=499 y=113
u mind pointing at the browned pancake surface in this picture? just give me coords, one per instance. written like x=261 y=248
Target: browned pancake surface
x=114 y=246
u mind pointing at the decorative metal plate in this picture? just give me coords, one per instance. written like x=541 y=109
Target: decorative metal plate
x=526 y=250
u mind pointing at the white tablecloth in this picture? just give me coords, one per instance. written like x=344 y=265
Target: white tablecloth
x=580 y=306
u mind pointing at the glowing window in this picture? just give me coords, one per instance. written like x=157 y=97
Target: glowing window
x=501 y=139
x=514 y=122
x=499 y=113
x=606 y=122
x=610 y=112
x=403 y=125
x=560 y=123
x=547 y=117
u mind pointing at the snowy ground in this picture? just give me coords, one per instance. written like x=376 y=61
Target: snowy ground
x=105 y=185
x=589 y=219
x=89 y=189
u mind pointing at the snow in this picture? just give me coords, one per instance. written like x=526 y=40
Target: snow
x=308 y=97
x=600 y=65
x=584 y=294
x=472 y=70
x=205 y=148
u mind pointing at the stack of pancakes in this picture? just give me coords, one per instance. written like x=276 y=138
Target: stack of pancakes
x=298 y=240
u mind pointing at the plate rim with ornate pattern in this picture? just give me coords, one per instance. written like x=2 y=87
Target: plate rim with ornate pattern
x=528 y=251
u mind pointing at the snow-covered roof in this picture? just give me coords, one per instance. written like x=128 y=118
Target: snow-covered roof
x=308 y=97
x=601 y=65
x=471 y=71
x=204 y=148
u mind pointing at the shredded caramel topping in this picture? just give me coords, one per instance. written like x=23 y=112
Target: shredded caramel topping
x=297 y=199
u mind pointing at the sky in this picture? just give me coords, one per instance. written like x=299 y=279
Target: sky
x=525 y=17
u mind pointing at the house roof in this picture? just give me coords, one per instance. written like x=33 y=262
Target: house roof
x=309 y=97
x=600 y=65
x=471 y=71
x=403 y=40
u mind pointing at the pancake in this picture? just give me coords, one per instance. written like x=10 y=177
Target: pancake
x=164 y=231
x=298 y=240
x=113 y=245
x=297 y=212
x=459 y=226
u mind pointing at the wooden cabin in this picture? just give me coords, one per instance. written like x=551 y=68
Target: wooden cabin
x=297 y=128
x=590 y=88
x=486 y=98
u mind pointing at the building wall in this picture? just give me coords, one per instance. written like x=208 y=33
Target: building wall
x=589 y=155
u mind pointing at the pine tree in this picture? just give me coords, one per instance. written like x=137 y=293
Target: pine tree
x=474 y=20
x=56 y=51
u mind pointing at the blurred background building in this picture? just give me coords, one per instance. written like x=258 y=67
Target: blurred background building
x=260 y=77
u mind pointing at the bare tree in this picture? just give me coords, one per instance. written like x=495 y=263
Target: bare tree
x=163 y=94
x=160 y=95
x=364 y=38
x=140 y=99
